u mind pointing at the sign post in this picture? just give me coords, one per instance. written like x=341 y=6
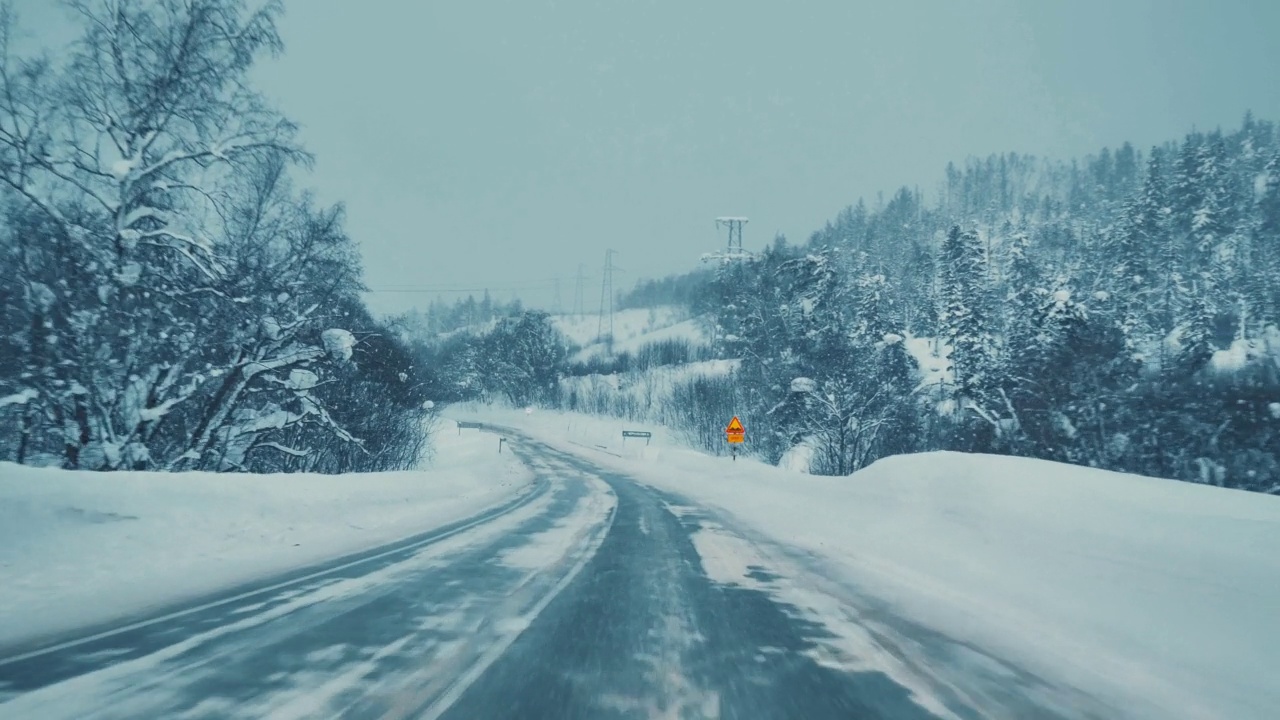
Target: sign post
x=636 y=434
x=736 y=435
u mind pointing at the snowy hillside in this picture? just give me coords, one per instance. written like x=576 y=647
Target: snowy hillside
x=79 y=548
x=646 y=393
x=632 y=329
x=1158 y=597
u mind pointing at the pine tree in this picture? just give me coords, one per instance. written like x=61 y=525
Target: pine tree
x=964 y=320
x=1126 y=172
x=1046 y=366
x=1144 y=260
x=1195 y=340
x=1024 y=285
x=1264 y=289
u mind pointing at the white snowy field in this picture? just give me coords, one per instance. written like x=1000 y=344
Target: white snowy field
x=1158 y=597
x=80 y=548
x=632 y=329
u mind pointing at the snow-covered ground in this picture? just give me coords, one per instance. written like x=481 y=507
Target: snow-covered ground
x=1159 y=597
x=79 y=548
x=632 y=329
x=645 y=392
x=932 y=358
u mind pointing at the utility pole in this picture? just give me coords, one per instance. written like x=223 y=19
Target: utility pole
x=577 y=291
x=606 y=294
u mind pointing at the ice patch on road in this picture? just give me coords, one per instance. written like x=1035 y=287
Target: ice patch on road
x=515 y=625
x=549 y=547
x=211 y=707
x=317 y=694
x=331 y=654
x=676 y=696
x=682 y=511
x=728 y=559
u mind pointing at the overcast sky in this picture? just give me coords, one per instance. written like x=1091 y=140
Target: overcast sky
x=484 y=144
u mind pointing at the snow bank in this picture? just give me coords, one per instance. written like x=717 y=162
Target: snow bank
x=79 y=548
x=1160 y=597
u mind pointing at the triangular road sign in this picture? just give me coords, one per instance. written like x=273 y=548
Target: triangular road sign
x=735 y=426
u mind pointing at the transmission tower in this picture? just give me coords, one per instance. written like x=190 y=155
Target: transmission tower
x=555 y=304
x=577 y=292
x=606 y=294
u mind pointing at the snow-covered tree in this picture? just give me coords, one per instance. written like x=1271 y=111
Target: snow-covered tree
x=523 y=358
x=965 y=321
x=173 y=293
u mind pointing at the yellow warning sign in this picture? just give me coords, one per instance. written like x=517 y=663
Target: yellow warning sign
x=735 y=433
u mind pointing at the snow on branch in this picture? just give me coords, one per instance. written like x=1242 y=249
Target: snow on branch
x=301 y=354
x=19 y=398
x=286 y=450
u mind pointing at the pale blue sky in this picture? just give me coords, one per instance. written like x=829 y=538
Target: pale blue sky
x=500 y=144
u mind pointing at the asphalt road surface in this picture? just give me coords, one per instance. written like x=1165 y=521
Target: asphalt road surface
x=591 y=596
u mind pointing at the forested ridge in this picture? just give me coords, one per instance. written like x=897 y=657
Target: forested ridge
x=170 y=300
x=1119 y=312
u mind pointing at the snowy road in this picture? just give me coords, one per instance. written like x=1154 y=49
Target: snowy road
x=590 y=597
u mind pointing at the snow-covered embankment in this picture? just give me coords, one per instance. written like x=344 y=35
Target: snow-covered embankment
x=80 y=548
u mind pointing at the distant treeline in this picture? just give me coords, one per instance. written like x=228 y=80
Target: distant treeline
x=688 y=289
x=441 y=317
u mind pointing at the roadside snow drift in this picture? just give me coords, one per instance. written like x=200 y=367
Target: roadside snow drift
x=80 y=548
x=1161 y=597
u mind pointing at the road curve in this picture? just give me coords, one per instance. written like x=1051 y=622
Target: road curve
x=591 y=597
x=643 y=632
